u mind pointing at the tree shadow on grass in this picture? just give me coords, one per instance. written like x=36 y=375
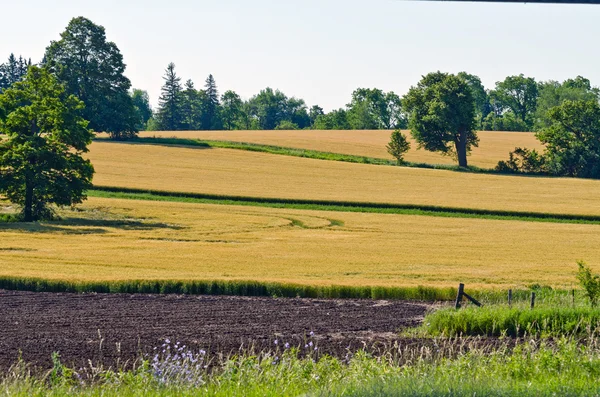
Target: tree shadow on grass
x=85 y=226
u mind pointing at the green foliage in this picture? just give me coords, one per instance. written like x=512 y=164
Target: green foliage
x=572 y=141
x=228 y=287
x=553 y=93
x=41 y=159
x=170 y=115
x=233 y=112
x=449 y=367
x=143 y=110
x=503 y=122
x=286 y=125
x=210 y=118
x=398 y=146
x=93 y=70
x=522 y=160
x=12 y=71
x=334 y=120
x=441 y=112
x=480 y=97
x=517 y=94
x=270 y=108
x=373 y=109
x=590 y=282
x=497 y=320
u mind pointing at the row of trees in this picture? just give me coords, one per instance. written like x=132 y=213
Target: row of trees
x=517 y=103
x=442 y=117
x=183 y=107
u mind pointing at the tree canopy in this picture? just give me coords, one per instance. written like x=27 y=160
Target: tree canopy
x=92 y=69
x=41 y=159
x=441 y=112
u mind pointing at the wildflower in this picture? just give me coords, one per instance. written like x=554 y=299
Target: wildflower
x=276 y=341
x=312 y=333
x=287 y=345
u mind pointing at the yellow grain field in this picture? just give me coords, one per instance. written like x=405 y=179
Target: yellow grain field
x=236 y=172
x=493 y=147
x=114 y=239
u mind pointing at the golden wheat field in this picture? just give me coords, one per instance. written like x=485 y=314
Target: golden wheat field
x=237 y=172
x=493 y=147
x=113 y=239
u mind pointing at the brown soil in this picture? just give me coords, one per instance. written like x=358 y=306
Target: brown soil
x=118 y=329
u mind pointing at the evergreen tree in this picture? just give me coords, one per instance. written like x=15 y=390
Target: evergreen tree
x=13 y=71
x=192 y=107
x=170 y=115
x=92 y=69
x=211 y=105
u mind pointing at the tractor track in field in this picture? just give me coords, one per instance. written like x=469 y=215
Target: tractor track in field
x=116 y=329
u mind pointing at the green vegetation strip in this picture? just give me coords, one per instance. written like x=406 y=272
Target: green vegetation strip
x=294 y=152
x=455 y=367
x=227 y=287
x=343 y=206
x=497 y=320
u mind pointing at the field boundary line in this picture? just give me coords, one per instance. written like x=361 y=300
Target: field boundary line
x=339 y=206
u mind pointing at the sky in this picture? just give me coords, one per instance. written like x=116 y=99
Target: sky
x=320 y=50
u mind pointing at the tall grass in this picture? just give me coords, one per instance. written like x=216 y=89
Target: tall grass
x=497 y=320
x=226 y=287
x=563 y=367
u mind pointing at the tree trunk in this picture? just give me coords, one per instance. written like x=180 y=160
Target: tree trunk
x=28 y=208
x=461 y=149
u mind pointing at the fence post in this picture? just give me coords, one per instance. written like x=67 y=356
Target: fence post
x=459 y=296
x=509 y=297
x=573 y=297
x=532 y=300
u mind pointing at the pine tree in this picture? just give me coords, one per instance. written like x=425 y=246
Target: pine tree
x=192 y=107
x=210 y=110
x=13 y=71
x=170 y=115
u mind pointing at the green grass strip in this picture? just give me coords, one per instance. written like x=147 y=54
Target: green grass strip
x=340 y=206
x=495 y=320
x=226 y=287
x=295 y=152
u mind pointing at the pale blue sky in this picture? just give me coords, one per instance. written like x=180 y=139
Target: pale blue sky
x=321 y=50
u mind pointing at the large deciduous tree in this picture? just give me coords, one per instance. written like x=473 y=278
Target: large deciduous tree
x=232 y=111
x=441 y=112
x=92 y=69
x=41 y=159
x=572 y=141
x=517 y=94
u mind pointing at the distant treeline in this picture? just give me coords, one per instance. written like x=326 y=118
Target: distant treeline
x=517 y=103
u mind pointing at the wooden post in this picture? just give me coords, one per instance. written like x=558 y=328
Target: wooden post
x=573 y=297
x=459 y=296
x=509 y=297
x=532 y=300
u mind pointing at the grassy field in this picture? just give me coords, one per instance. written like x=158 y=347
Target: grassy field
x=234 y=172
x=112 y=239
x=493 y=147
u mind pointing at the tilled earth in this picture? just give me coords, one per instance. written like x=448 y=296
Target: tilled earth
x=116 y=330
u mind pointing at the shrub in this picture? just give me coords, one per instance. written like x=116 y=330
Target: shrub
x=398 y=146
x=590 y=282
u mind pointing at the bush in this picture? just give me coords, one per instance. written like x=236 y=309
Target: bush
x=590 y=282
x=286 y=125
x=398 y=146
x=523 y=160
